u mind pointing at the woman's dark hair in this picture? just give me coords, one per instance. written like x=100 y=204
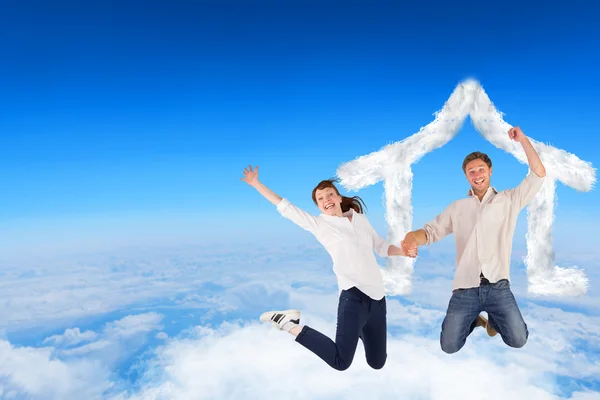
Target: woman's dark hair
x=356 y=203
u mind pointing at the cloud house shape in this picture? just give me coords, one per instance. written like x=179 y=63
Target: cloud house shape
x=392 y=165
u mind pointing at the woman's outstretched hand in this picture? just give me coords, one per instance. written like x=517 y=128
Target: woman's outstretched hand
x=250 y=176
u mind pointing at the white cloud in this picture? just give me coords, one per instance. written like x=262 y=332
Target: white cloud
x=257 y=362
x=392 y=164
x=133 y=325
x=86 y=350
x=82 y=372
x=55 y=292
x=70 y=337
x=215 y=281
x=246 y=359
x=117 y=338
x=35 y=373
x=586 y=395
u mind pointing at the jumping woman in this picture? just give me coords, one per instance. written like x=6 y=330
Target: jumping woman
x=351 y=241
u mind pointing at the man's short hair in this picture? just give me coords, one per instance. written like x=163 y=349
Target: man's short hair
x=476 y=155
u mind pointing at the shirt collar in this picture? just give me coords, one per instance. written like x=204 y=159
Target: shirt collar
x=348 y=213
x=493 y=189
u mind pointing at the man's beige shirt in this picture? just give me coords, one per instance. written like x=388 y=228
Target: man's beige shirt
x=483 y=231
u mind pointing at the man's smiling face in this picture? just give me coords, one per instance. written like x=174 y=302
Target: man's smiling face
x=478 y=174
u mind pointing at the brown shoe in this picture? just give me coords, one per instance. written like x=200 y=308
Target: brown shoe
x=481 y=321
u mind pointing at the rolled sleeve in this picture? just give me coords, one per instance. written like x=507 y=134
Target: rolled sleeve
x=440 y=227
x=282 y=205
x=380 y=245
x=298 y=216
x=524 y=193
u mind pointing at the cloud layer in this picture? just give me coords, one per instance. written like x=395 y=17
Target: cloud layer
x=188 y=329
x=247 y=360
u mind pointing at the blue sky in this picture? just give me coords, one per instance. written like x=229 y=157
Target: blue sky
x=128 y=124
x=146 y=115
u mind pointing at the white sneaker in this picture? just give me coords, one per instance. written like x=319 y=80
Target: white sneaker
x=282 y=320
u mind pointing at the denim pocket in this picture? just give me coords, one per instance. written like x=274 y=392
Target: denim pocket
x=501 y=284
x=350 y=296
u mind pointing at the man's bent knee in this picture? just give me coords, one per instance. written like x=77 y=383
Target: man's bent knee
x=450 y=346
x=517 y=340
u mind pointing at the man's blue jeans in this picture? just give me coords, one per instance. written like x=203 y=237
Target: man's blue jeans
x=465 y=305
x=359 y=316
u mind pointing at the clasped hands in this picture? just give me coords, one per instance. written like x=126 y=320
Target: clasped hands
x=410 y=246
